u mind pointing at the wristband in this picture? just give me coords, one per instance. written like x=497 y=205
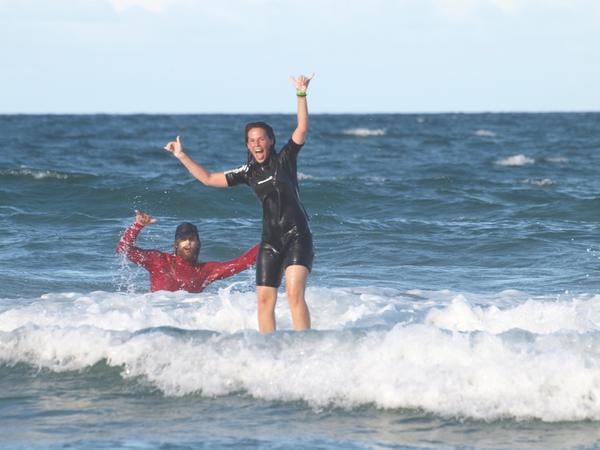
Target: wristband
x=301 y=93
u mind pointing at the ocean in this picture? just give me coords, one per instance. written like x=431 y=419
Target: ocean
x=455 y=294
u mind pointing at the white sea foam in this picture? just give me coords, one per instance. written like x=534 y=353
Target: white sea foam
x=579 y=315
x=374 y=179
x=435 y=351
x=516 y=160
x=365 y=132
x=557 y=159
x=36 y=174
x=229 y=310
x=485 y=133
x=303 y=176
x=542 y=183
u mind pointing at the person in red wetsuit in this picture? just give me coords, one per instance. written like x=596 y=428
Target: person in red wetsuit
x=181 y=270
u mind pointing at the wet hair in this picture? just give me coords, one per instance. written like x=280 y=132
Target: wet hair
x=265 y=126
x=186 y=229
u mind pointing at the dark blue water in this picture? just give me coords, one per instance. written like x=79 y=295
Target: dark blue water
x=466 y=202
x=456 y=280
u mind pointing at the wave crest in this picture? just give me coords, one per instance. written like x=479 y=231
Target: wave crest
x=370 y=346
x=365 y=132
x=485 y=133
x=516 y=160
x=541 y=183
x=38 y=174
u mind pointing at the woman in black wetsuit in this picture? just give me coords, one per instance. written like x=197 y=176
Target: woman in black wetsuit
x=286 y=244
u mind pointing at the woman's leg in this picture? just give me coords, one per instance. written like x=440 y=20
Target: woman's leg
x=295 y=284
x=267 y=298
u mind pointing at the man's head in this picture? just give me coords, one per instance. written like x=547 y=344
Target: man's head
x=187 y=242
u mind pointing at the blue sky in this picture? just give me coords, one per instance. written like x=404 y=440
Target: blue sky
x=236 y=56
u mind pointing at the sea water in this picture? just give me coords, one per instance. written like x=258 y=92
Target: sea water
x=455 y=295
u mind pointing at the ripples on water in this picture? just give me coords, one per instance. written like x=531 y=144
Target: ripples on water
x=454 y=294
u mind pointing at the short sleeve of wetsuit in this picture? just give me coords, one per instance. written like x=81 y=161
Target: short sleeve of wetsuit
x=291 y=149
x=237 y=176
x=289 y=156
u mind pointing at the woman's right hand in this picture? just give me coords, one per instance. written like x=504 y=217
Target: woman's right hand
x=215 y=179
x=175 y=147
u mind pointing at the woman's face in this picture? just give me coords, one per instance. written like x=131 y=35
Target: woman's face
x=259 y=143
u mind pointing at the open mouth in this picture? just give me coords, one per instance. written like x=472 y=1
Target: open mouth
x=260 y=154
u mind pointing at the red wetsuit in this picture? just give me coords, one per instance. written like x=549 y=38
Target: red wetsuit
x=172 y=273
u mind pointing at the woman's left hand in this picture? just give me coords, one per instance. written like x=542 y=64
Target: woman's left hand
x=301 y=82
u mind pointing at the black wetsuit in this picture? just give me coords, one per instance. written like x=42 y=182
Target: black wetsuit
x=286 y=236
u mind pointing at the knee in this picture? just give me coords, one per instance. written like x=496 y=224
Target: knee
x=266 y=301
x=295 y=296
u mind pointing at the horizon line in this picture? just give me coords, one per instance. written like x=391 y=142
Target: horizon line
x=557 y=111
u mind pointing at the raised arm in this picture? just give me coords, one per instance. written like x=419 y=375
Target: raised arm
x=127 y=242
x=301 y=85
x=213 y=179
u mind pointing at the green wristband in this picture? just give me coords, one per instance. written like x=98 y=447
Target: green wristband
x=301 y=93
